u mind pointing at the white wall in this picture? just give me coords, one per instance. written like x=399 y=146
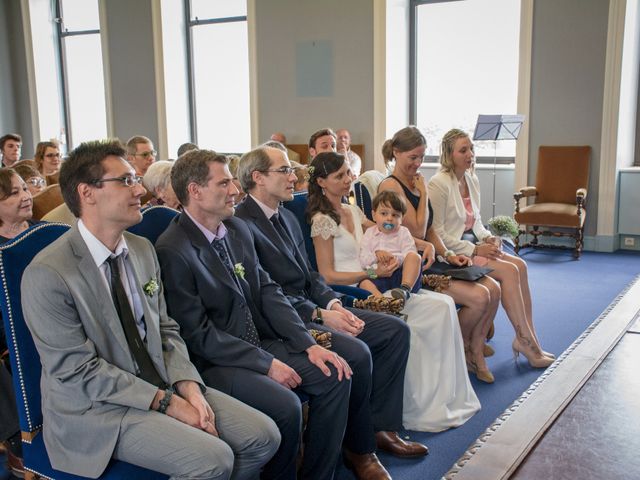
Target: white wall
x=567 y=81
x=283 y=27
x=15 y=109
x=128 y=35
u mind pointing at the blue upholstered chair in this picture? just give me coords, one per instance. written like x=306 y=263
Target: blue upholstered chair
x=365 y=188
x=298 y=206
x=15 y=255
x=155 y=220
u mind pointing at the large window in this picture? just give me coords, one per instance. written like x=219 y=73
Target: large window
x=465 y=63
x=80 y=53
x=219 y=74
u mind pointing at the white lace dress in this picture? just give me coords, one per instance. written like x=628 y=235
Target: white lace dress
x=437 y=391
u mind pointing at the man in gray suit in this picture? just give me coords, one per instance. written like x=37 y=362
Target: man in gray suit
x=116 y=377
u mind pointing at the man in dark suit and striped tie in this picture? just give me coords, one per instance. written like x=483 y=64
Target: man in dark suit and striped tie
x=242 y=333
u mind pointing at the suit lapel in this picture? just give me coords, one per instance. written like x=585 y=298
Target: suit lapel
x=265 y=226
x=207 y=256
x=95 y=282
x=301 y=261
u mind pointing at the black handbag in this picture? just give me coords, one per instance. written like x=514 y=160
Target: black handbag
x=470 y=274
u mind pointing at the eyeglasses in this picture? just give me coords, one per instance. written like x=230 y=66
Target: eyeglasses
x=52 y=155
x=285 y=170
x=127 y=180
x=151 y=153
x=36 y=182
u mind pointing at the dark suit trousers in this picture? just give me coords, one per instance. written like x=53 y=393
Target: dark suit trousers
x=387 y=337
x=328 y=401
x=378 y=358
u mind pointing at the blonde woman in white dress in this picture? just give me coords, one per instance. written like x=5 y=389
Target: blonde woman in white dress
x=455 y=196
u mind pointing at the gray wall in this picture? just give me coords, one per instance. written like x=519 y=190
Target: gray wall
x=129 y=36
x=567 y=82
x=281 y=27
x=15 y=111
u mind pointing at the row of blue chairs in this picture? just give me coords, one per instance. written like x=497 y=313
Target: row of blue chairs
x=15 y=255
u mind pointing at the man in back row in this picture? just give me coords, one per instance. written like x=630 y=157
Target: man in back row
x=292 y=154
x=140 y=153
x=116 y=377
x=10 y=149
x=376 y=392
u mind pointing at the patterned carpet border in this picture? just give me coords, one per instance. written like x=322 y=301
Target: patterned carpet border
x=502 y=418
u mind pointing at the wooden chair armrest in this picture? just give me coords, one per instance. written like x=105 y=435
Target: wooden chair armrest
x=523 y=193
x=581 y=193
x=526 y=192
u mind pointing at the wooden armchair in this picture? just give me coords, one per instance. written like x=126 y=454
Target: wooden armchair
x=46 y=200
x=560 y=194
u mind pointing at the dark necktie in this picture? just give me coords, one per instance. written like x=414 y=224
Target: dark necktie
x=277 y=223
x=250 y=331
x=147 y=369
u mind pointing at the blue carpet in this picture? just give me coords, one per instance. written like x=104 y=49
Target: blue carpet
x=568 y=296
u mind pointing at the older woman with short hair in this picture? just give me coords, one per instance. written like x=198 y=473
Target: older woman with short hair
x=15 y=205
x=157 y=180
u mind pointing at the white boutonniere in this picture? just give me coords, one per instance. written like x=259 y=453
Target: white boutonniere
x=238 y=269
x=151 y=287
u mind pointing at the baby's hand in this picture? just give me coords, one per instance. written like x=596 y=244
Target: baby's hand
x=383 y=256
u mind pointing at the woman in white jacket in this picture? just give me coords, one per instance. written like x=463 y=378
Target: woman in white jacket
x=455 y=197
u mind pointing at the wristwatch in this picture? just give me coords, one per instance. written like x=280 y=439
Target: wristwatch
x=318 y=318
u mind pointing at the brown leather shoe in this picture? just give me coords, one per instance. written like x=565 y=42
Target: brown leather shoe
x=392 y=443
x=365 y=466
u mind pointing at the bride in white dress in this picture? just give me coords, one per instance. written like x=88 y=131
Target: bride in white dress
x=437 y=391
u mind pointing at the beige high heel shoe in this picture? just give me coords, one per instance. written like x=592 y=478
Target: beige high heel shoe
x=482 y=374
x=535 y=360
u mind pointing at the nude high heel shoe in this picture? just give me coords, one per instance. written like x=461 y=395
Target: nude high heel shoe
x=535 y=360
x=482 y=374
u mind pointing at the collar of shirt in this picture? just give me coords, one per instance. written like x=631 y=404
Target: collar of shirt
x=99 y=252
x=268 y=211
x=377 y=232
x=219 y=234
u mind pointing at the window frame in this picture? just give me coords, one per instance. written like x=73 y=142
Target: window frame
x=413 y=81
x=60 y=34
x=191 y=87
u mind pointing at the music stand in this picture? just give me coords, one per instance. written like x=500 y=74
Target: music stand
x=494 y=128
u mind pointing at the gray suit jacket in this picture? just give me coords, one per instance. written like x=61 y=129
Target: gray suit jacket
x=88 y=381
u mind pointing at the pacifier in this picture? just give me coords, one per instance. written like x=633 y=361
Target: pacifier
x=388 y=226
